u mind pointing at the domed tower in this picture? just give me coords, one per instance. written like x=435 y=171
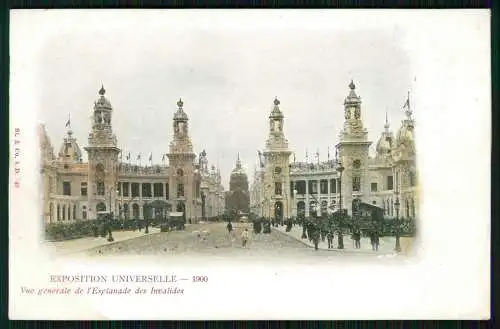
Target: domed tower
x=353 y=150
x=69 y=152
x=385 y=143
x=404 y=164
x=184 y=188
x=277 y=194
x=239 y=198
x=103 y=158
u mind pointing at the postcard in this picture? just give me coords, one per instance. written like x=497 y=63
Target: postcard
x=264 y=164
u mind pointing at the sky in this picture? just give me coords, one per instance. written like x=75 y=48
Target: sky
x=227 y=75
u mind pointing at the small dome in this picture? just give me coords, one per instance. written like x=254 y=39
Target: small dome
x=102 y=102
x=180 y=115
x=352 y=98
x=70 y=151
x=404 y=136
x=384 y=145
x=276 y=112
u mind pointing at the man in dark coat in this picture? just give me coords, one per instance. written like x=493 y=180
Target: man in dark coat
x=329 y=237
x=315 y=238
x=356 y=236
x=229 y=227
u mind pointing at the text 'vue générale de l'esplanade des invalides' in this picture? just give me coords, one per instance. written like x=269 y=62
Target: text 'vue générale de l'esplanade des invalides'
x=281 y=186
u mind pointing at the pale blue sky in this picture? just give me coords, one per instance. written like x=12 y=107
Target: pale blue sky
x=228 y=79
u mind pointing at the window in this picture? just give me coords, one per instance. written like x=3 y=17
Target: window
x=356 y=164
x=374 y=202
x=135 y=190
x=74 y=211
x=180 y=190
x=66 y=188
x=83 y=189
x=146 y=190
x=323 y=186
x=277 y=188
x=356 y=183
x=300 y=186
x=313 y=187
x=125 y=189
x=158 y=189
x=324 y=206
x=412 y=178
x=180 y=173
x=100 y=188
x=292 y=187
x=374 y=187
x=333 y=186
x=277 y=170
x=84 y=212
x=167 y=192
x=126 y=211
x=390 y=182
x=135 y=211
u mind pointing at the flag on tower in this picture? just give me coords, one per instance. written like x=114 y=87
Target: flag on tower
x=128 y=156
x=68 y=123
x=328 y=153
x=139 y=156
x=163 y=157
x=407 y=103
x=150 y=156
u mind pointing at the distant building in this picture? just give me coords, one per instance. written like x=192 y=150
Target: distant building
x=378 y=180
x=73 y=190
x=238 y=198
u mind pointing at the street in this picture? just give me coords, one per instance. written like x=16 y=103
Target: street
x=212 y=241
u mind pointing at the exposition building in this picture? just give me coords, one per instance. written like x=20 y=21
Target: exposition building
x=74 y=190
x=283 y=188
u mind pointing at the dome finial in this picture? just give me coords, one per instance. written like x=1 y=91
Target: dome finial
x=352 y=85
x=102 y=91
x=180 y=103
x=276 y=101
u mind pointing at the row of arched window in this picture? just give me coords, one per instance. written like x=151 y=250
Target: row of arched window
x=62 y=212
x=407 y=208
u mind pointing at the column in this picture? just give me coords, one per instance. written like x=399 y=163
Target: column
x=307 y=198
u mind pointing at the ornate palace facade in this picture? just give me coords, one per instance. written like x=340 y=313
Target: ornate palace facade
x=285 y=188
x=74 y=190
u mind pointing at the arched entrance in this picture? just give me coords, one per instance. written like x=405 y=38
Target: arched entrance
x=301 y=209
x=181 y=207
x=100 y=207
x=278 y=210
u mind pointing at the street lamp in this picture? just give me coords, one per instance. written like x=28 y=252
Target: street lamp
x=340 y=170
x=396 y=207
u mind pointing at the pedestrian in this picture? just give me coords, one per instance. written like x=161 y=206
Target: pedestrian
x=315 y=238
x=229 y=227
x=244 y=238
x=376 y=240
x=373 y=239
x=341 y=239
x=357 y=238
x=329 y=237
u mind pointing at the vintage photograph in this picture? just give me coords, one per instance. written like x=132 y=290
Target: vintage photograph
x=259 y=145
x=249 y=164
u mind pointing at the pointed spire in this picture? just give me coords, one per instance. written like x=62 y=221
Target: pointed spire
x=102 y=91
x=180 y=103
x=408 y=111
x=386 y=126
x=238 y=161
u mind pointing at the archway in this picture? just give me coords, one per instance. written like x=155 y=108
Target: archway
x=301 y=209
x=278 y=210
x=100 y=207
x=135 y=211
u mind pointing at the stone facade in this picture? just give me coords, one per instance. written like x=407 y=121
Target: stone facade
x=74 y=190
x=380 y=179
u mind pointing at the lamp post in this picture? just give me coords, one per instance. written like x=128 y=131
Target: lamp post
x=396 y=207
x=340 y=170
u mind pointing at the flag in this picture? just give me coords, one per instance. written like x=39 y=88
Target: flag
x=150 y=156
x=128 y=156
x=139 y=156
x=68 y=123
x=163 y=157
x=293 y=157
x=407 y=103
